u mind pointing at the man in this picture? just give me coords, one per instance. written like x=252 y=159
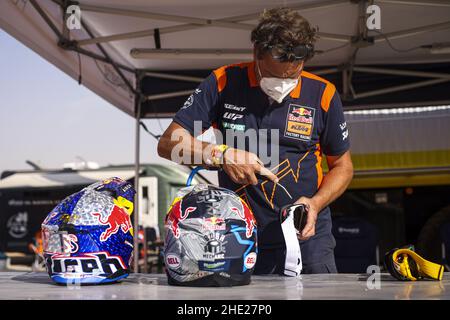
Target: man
x=273 y=92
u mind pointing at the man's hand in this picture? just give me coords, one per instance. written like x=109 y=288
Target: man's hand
x=311 y=217
x=242 y=167
x=333 y=185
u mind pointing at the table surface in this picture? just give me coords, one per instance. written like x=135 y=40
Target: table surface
x=36 y=285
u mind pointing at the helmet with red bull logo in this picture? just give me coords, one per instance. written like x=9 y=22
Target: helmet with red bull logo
x=88 y=237
x=211 y=238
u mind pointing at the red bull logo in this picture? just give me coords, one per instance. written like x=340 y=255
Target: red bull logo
x=117 y=219
x=248 y=218
x=213 y=224
x=301 y=112
x=176 y=215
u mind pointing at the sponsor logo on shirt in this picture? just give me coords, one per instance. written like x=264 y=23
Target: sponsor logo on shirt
x=232 y=116
x=233 y=126
x=233 y=107
x=190 y=100
x=344 y=130
x=299 y=122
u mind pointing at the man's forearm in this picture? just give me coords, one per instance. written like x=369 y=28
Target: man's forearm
x=179 y=146
x=333 y=185
x=184 y=151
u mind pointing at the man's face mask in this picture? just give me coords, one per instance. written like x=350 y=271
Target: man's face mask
x=276 y=88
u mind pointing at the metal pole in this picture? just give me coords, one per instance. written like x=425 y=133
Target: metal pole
x=172 y=76
x=117 y=37
x=397 y=105
x=47 y=19
x=400 y=88
x=433 y=3
x=230 y=22
x=300 y=6
x=136 y=178
x=412 y=31
x=182 y=53
x=111 y=61
x=334 y=37
x=410 y=73
x=150 y=33
x=166 y=17
x=169 y=95
x=145 y=267
x=345 y=83
x=326 y=71
x=98 y=57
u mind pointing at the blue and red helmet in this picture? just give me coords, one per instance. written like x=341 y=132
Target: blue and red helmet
x=88 y=237
x=211 y=238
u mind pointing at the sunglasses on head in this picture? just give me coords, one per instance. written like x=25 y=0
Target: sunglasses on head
x=299 y=52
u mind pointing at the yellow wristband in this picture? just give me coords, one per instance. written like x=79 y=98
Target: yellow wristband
x=217 y=154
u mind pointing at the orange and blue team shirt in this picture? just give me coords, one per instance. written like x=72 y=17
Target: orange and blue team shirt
x=310 y=121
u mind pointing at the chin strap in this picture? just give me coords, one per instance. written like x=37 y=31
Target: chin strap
x=406 y=265
x=293 y=260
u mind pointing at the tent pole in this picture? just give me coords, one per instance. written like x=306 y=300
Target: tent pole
x=194 y=23
x=412 y=31
x=398 y=105
x=169 y=95
x=172 y=76
x=432 y=3
x=150 y=33
x=345 y=84
x=399 y=88
x=166 y=17
x=326 y=71
x=46 y=18
x=111 y=61
x=410 y=73
x=136 y=181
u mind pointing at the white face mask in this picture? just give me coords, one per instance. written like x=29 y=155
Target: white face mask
x=277 y=88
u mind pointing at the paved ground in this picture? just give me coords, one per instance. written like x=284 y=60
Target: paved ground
x=28 y=285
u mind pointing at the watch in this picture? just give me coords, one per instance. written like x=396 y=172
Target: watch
x=217 y=154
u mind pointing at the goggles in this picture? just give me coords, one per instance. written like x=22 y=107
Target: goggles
x=299 y=211
x=406 y=265
x=283 y=54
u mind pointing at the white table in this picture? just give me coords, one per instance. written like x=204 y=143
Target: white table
x=29 y=285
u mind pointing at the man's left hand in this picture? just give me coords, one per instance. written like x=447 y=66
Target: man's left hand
x=310 y=228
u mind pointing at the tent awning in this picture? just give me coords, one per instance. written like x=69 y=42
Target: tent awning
x=172 y=44
x=59 y=179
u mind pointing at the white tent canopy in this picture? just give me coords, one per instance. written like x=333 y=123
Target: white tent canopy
x=59 y=179
x=198 y=34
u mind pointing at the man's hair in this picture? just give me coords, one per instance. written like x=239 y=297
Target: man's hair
x=282 y=27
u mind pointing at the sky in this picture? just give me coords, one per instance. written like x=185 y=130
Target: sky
x=47 y=118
